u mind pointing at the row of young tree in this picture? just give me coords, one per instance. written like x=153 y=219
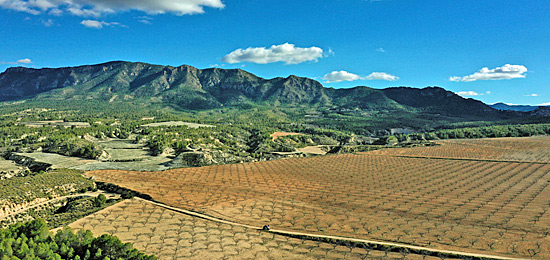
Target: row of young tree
x=522 y=130
x=33 y=240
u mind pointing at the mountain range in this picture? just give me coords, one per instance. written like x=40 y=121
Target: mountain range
x=192 y=88
x=521 y=108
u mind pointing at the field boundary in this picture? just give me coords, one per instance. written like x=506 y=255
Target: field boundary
x=347 y=241
x=456 y=159
x=56 y=199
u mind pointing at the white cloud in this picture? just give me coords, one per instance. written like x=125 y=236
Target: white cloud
x=532 y=95
x=21 y=6
x=144 y=19
x=25 y=61
x=55 y=11
x=48 y=23
x=544 y=104
x=380 y=50
x=339 y=76
x=94 y=24
x=469 y=93
x=381 y=76
x=287 y=53
x=19 y=62
x=505 y=72
x=99 y=7
x=99 y=24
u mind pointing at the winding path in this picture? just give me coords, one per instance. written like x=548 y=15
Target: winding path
x=21 y=210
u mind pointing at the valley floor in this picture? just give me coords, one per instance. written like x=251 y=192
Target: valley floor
x=486 y=196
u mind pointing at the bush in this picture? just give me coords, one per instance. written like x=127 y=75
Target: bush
x=100 y=200
x=33 y=240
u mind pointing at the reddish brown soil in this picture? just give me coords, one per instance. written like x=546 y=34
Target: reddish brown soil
x=464 y=205
x=281 y=134
x=170 y=235
x=524 y=149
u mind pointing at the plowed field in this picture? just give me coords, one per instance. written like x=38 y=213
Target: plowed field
x=171 y=235
x=523 y=149
x=472 y=204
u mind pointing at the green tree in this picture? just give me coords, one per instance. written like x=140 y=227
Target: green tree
x=100 y=200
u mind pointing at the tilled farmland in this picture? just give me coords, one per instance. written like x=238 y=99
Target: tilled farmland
x=476 y=204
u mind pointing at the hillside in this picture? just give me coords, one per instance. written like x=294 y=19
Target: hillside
x=521 y=108
x=189 y=88
x=185 y=86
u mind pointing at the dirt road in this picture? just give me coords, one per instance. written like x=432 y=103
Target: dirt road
x=87 y=194
x=380 y=244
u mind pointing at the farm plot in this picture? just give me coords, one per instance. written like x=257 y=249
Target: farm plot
x=276 y=135
x=7 y=167
x=55 y=123
x=177 y=123
x=472 y=206
x=55 y=160
x=171 y=235
x=123 y=150
x=524 y=149
x=120 y=154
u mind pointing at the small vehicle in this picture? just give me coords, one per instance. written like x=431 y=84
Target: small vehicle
x=266 y=228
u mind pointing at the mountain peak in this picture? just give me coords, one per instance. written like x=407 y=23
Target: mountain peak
x=191 y=88
x=507 y=107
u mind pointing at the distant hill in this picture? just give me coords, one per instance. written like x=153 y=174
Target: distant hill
x=542 y=111
x=438 y=99
x=185 y=86
x=191 y=88
x=520 y=108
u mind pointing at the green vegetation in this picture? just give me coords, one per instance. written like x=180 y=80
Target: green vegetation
x=33 y=240
x=73 y=209
x=109 y=107
x=41 y=191
x=72 y=146
x=127 y=91
x=45 y=185
x=238 y=134
x=521 y=130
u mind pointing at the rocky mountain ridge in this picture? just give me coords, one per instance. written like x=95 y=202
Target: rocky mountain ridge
x=190 y=88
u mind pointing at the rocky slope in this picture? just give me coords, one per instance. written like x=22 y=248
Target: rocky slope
x=192 y=88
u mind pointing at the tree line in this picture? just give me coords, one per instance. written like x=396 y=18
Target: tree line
x=519 y=130
x=33 y=240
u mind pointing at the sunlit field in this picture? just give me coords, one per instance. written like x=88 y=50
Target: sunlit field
x=464 y=205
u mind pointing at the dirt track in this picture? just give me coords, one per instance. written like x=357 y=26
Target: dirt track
x=337 y=238
x=87 y=194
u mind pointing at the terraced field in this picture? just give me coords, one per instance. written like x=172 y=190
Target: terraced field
x=479 y=205
x=121 y=154
x=171 y=235
x=177 y=123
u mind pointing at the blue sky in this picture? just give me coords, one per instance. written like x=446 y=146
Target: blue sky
x=488 y=50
